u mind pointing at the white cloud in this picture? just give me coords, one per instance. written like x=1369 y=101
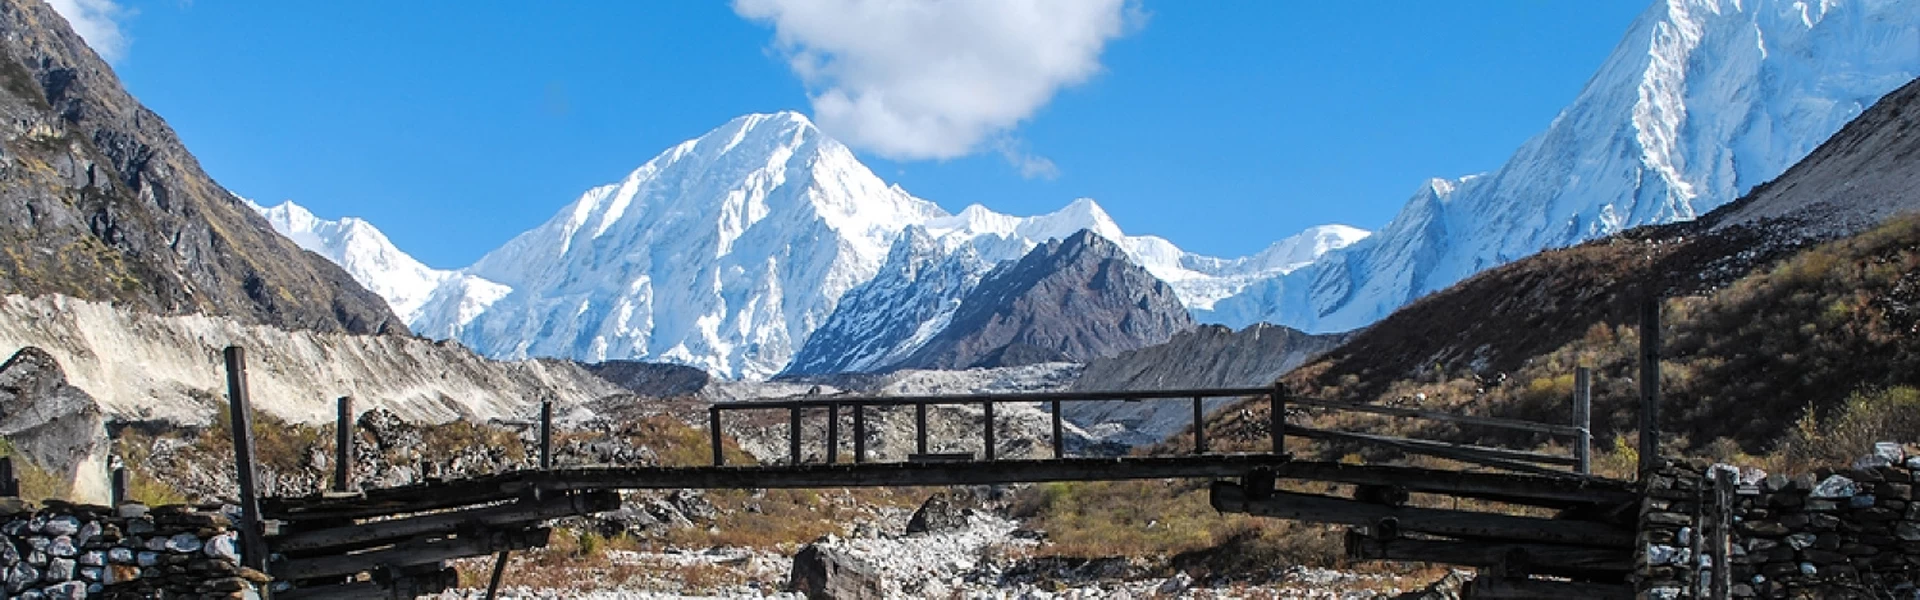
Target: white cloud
x=1031 y=166
x=938 y=78
x=97 y=21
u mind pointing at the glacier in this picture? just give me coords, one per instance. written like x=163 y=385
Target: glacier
x=1701 y=101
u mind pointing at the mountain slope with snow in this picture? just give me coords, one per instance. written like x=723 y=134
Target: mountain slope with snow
x=933 y=266
x=722 y=253
x=1701 y=101
x=366 y=254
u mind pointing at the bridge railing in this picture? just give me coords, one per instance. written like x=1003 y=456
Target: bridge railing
x=1055 y=401
x=1277 y=394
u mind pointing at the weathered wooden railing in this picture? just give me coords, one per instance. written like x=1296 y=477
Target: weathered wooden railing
x=1518 y=460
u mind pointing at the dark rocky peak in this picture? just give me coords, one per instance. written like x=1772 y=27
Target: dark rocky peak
x=99 y=200
x=1072 y=299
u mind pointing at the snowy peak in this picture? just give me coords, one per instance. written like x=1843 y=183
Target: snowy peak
x=363 y=251
x=1701 y=101
x=724 y=253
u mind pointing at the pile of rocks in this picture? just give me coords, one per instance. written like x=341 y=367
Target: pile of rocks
x=63 y=551
x=1831 y=533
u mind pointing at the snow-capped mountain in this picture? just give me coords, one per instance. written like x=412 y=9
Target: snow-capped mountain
x=722 y=253
x=365 y=253
x=730 y=250
x=933 y=266
x=1701 y=101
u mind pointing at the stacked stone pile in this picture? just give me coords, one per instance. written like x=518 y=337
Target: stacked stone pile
x=64 y=551
x=1833 y=533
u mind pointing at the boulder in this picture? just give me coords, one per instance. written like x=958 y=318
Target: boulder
x=53 y=424
x=822 y=573
x=938 y=513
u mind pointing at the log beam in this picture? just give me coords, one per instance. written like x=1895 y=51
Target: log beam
x=1231 y=498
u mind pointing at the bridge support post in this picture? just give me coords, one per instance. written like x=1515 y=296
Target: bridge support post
x=253 y=545
x=1583 y=419
x=1649 y=383
x=988 y=407
x=920 y=427
x=343 y=445
x=793 y=435
x=833 y=432
x=1278 y=424
x=859 y=434
x=1199 y=426
x=1059 y=433
x=8 y=485
x=713 y=431
x=546 y=435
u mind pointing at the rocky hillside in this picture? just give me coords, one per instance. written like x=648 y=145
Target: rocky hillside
x=54 y=425
x=1204 y=357
x=99 y=200
x=653 y=380
x=143 y=367
x=1068 y=300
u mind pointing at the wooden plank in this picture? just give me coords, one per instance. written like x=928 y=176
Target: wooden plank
x=417 y=582
x=1564 y=491
x=1405 y=443
x=958 y=399
x=1545 y=428
x=343 y=445
x=253 y=553
x=424 y=551
x=1583 y=420
x=498 y=516
x=1230 y=497
x=1504 y=588
x=1539 y=558
x=1649 y=383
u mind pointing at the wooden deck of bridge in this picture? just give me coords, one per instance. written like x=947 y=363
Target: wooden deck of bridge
x=1566 y=490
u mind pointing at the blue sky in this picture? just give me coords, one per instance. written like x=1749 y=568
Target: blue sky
x=1222 y=126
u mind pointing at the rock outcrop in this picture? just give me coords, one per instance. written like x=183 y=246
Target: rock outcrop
x=57 y=426
x=1072 y=300
x=653 y=380
x=100 y=200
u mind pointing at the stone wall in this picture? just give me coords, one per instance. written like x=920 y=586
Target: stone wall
x=1834 y=533
x=63 y=551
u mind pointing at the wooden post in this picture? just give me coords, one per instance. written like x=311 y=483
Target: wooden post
x=1199 y=426
x=1583 y=419
x=343 y=446
x=1649 y=383
x=713 y=431
x=8 y=485
x=1719 y=545
x=546 y=435
x=859 y=434
x=119 y=485
x=1278 y=424
x=793 y=435
x=253 y=553
x=499 y=568
x=833 y=432
x=1059 y=433
x=988 y=405
x=920 y=427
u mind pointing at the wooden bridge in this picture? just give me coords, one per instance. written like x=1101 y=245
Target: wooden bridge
x=395 y=542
